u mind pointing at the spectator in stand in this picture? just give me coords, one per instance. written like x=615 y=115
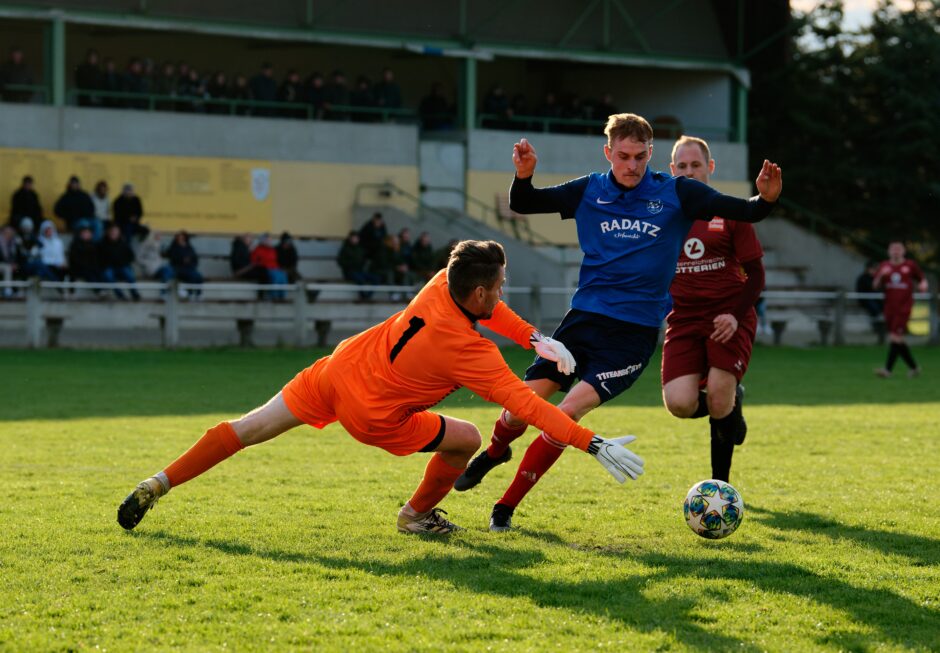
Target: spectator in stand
x=165 y=84
x=129 y=213
x=435 y=111
x=25 y=203
x=151 y=260
x=53 y=251
x=136 y=83
x=386 y=92
x=265 y=255
x=335 y=94
x=352 y=260
x=371 y=235
x=287 y=257
x=873 y=307
x=406 y=245
x=194 y=90
x=15 y=72
x=102 y=204
x=31 y=250
x=240 y=261
x=218 y=89
x=315 y=95
x=389 y=265
x=292 y=92
x=75 y=206
x=84 y=261
x=88 y=77
x=549 y=109
x=422 y=257
x=184 y=261
x=242 y=92
x=10 y=257
x=111 y=82
x=116 y=258
x=605 y=108
x=497 y=109
x=182 y=73
x=264 y=89
x=362 y=98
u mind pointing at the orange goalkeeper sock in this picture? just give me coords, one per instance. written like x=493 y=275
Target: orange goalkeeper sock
x=438 y=479
x=216 y=445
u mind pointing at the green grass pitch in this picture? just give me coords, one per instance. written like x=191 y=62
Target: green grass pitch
x=292 y=545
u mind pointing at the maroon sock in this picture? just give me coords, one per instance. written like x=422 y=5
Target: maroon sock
x=503 y=435
x=539 y=457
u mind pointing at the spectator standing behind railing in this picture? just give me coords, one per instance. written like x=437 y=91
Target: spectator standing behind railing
x=75 y=206
x=387 y=93
x=218 y=89
x=116 y=258
x=53 y=251
x=291 y=91
x=264 y=89
x=336 y=94
x=435 y=110
x=353 y=262
x=264 y=255
x=193 y=90
x=25 y=203
x=240 y=91
x=315 y=94
x=84 y=260
x=287 y=257
x=15 y=72
x=390 y=266
x=371 y=235
x=135 y=83
x=361 y=97
x=89 y=77
x=165 y=84
x=112 y=83
x=184 y=261
x=129 y=213
x=422 y=257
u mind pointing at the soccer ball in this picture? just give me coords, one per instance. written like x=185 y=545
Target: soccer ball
x=713 y=509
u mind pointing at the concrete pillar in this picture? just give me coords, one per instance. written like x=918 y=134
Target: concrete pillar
x=171 y=316
x=300 y=313
x=34 y=314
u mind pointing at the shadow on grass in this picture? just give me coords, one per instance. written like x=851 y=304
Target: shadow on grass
x=497 y=570
x=921 y=550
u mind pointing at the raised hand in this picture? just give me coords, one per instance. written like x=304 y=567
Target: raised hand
x=524 y=158
x=770 y=181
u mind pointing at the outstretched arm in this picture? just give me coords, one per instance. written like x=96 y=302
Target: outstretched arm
x=506 y=323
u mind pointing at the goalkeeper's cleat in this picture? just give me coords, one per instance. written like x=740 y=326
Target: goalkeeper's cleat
x=429 y=522
x=501 y=519
x=138 y=502
x=478 y=468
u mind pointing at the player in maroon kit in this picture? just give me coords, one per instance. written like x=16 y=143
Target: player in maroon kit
x=711 y=329
x=897 y=276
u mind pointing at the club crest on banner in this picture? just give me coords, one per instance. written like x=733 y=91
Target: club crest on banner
x=260 y=183
x=654 y=206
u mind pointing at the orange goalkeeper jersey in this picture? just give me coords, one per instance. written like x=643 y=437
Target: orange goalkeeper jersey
x=415 y=358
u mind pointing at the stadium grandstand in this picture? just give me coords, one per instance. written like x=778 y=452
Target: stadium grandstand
x=309 y=118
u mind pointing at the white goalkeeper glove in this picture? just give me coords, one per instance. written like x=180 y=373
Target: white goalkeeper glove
x=616 y=458
x=553 y=350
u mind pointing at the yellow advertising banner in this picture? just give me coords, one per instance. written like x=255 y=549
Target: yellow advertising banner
x=202 y=195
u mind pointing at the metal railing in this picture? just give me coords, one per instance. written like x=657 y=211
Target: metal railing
x=42 y=305
x=592 y=126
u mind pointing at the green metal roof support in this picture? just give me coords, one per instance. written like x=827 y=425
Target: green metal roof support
x=740 y=113
x=54 y=59
x=468 y=102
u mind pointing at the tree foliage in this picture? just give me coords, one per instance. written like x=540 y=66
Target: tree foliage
x=854 y=118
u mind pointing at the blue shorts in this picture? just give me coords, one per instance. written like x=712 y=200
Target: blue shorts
x=611 y=354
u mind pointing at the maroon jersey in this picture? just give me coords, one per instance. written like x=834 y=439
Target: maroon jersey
x=898 y=282
x=708 y=274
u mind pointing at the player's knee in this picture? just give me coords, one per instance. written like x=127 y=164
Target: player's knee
x=680 y=405
x=469 y=440
x=720 y=403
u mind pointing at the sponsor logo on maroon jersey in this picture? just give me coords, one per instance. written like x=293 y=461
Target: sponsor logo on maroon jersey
x=716 y=224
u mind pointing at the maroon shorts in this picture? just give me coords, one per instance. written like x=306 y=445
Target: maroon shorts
x=688 y=348
x=896 y=318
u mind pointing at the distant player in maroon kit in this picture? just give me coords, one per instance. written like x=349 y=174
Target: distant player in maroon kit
x=897 y=277
x=711 y=329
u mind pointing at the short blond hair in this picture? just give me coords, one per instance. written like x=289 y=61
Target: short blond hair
x=692 y=140
x=628 y=125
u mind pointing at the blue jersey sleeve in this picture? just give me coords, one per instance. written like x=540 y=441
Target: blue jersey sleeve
x=702 y=202
x=563 y=199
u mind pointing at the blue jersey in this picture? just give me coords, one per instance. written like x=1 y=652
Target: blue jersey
x=631 y=238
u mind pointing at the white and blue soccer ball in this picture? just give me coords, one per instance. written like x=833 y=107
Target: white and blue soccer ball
x=713 y=509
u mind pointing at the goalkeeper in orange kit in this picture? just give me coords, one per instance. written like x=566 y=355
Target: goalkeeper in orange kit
x=380 y=384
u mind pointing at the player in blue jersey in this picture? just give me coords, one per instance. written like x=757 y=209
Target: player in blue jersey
x=631 y=225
